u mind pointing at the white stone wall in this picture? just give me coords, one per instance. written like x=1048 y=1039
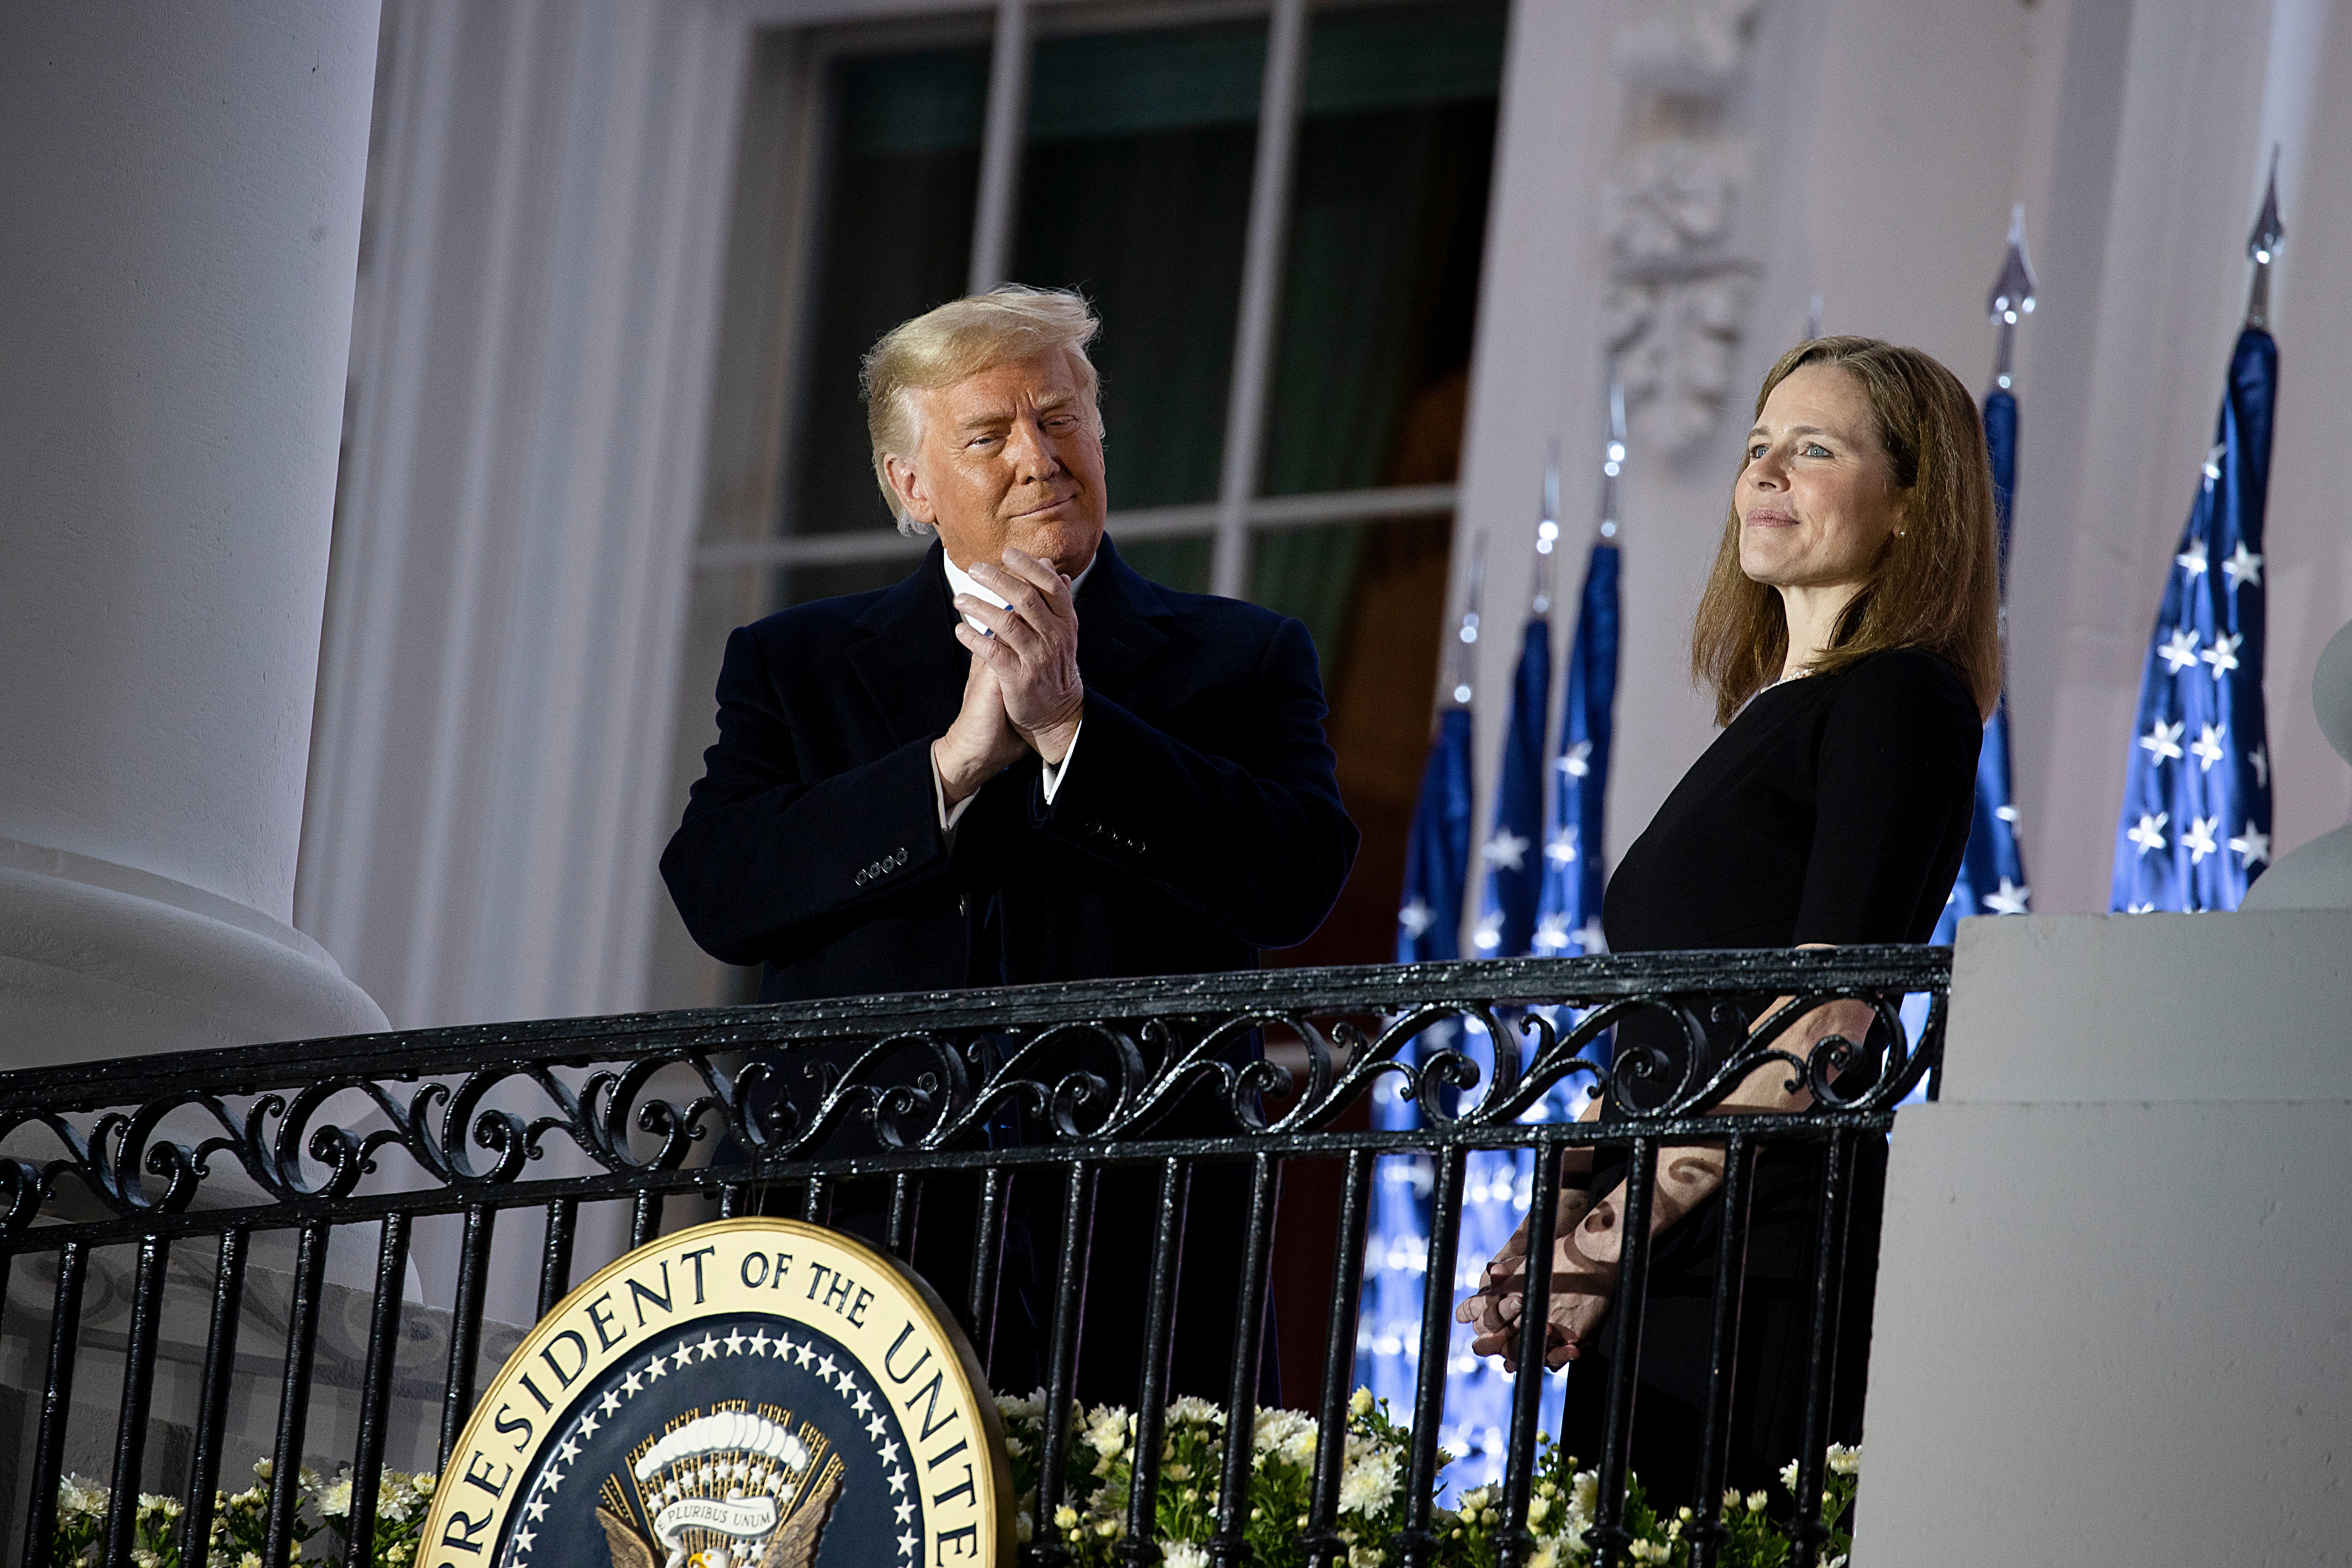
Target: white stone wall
x=2111 y=1286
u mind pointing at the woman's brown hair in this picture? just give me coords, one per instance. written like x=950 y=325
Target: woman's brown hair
x=1936 y=585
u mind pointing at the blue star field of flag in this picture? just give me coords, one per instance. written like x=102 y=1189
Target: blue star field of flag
x=1991 y=880
x=1567 y=920
x=1513 y=881
x=2195 y=828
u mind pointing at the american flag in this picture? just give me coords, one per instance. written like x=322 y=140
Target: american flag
x=2195 y=828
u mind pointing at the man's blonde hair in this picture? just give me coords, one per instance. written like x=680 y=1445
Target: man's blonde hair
x=963 y=337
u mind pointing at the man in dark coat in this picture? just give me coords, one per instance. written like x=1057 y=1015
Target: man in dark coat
x=1025 y=762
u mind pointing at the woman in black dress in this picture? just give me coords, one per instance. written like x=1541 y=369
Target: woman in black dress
x=1850 y=635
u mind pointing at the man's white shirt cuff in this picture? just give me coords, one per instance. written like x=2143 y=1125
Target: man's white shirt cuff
x=952 y=815
x=948 y=815
x=1054 y=772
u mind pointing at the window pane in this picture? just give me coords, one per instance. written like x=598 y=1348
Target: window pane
x=1309 y=573
x=894 y=238
x=1135 y=189
x=1179 y=564
x=1373 y=595
x=799 y=584
x=1388 y=222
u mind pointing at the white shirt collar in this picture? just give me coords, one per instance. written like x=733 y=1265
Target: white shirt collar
x=962 y=581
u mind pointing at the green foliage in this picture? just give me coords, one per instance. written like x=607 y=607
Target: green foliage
x=1092 y=1516
x=241 y=1522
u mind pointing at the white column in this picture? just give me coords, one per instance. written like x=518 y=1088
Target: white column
x=182 y=185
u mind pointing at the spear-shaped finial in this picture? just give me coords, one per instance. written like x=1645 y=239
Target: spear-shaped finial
x=2012 y=300
x=1613 y=457
x=1547 y=533
x=1465 y=647
x=2262 y=245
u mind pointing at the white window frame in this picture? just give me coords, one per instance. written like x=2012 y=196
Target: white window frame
x=1239 y=512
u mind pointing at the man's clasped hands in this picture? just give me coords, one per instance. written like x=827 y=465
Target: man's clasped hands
x=1023 y=693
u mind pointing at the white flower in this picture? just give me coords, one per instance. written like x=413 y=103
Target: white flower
x=1107 y=1430
x=1789 y=1475
x=1756 y=1502
x=1193 y=1411
x=1360 y=1402
x=336 y=1499
x=1366 y=1483
x=1184 y=1554
x=74 y=1497
x=1289 y=1432
x=1845 y=1461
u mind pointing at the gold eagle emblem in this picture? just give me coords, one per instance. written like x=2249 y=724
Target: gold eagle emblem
x=736 y=1488
x=792 y=1546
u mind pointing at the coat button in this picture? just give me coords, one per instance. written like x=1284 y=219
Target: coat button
x=861 y=879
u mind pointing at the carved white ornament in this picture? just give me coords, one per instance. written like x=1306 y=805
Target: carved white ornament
x=1677 y=347
x=1678 y=305
x=1679 y=205
x=1692 y=49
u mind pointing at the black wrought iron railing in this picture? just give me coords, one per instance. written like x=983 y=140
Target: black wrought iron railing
x=175 y=1176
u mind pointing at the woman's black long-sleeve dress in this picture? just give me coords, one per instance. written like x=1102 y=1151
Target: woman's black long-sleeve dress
x=1832 y=809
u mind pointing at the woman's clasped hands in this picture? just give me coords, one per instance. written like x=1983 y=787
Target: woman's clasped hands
x=1583 y=1282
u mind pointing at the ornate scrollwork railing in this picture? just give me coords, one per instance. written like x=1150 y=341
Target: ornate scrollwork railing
x=117 y=1160
x=870 y=1085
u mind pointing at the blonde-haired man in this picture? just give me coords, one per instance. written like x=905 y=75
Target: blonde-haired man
x=1023 y=762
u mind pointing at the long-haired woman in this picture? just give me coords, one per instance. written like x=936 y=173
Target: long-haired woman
x=1849 y=636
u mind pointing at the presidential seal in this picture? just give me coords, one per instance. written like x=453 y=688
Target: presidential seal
x=752 y=1394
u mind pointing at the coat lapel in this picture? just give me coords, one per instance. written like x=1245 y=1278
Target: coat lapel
x=907 y=656
x=1121 y=621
